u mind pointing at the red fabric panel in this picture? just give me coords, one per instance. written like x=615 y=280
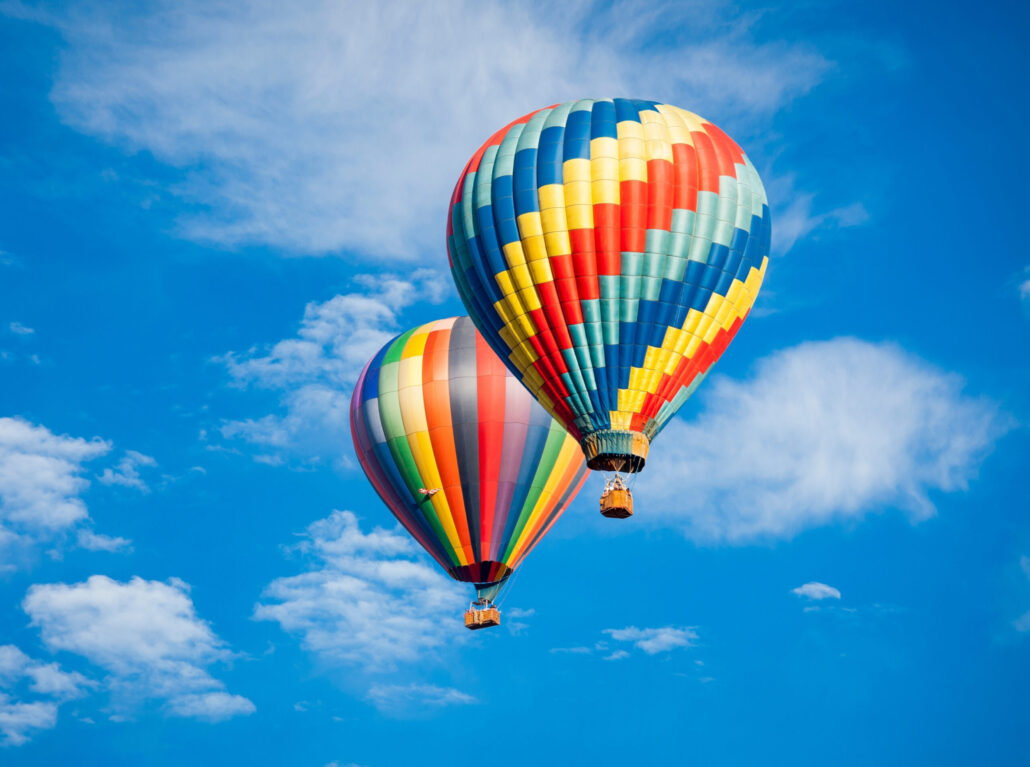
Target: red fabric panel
x=659 y=194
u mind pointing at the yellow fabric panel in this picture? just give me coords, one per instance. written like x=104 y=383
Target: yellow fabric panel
x=657 y=139
x=636 y=379
x=566 y=456
x=633 y=169
x=651 y=381
x=529 y=298
x=578 y=192
x=619 y=419
x=691 y=120
x=692 y=321
x=553 y=220
x=536 y=250
x=576 y=171
x=521 y=276
x=628 y=130
x=679 y=131
x=692 y=347
x=501 y=307
x=413 y=417
x=630 y=401
x=529 y=224
x=702 y=327
x=525 y=327
x=508 y=336
x=604 y=169
x=504 y=283
x=607 y=191
x=551 y=196
x=580 y=217
x=558 y=243
x=715 y=302
x=602 y=148
x=513 y=254
x=540 y=271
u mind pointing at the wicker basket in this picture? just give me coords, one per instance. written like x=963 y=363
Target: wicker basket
x=481 y=619
x=617 y=503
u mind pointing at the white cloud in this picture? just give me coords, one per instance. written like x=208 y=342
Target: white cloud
x=794 y=217
x=91 y=541
x=822 y=431
x=126 y=473
x=1024 y=287
x=20 y=330
x=315 y=371
x=145 y=635
x=617 y=655
x=1022 y=623
x=319 y=126
x=407 y=699
x=210 y=706
x=41 y=488
x=816 y=590
x=369 y=600
x=40 y=475
x=654 y=640
x=20 y=719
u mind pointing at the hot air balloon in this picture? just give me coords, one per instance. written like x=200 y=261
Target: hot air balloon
x=458 y=450
x=609 y=250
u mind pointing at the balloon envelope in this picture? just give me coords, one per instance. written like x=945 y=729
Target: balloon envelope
x=460 y=452
x=609 y=250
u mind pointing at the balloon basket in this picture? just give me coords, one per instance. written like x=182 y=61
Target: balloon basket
x=616 y=500
x=482 y=615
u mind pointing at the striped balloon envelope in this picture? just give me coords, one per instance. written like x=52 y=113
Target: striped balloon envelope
x=609 y=250
x=460 y=452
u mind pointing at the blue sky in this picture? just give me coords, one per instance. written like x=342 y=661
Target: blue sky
x=213 y=214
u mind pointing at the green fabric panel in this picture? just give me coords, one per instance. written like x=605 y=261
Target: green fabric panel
x=552 y=449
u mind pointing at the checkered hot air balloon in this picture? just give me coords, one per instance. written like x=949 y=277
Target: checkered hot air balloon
x=609 y=250
x=458 y=450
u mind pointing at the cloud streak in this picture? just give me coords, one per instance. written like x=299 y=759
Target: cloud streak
x=47 y=684
x=369 y=600
x=41 y=486
x=325 y=127
x=146 y=636
x=315 y=371
x=821 y=432
x=816 y=591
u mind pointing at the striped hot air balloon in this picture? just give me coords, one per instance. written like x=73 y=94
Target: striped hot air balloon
x=458 y=450
x=609 y=250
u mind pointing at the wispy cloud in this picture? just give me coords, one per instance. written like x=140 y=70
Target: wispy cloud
x=655 y=640
x=20 y=330
x=822 y=431
x=651 y=641
x=315 y=370
x=41 y=484
x=126 y=473
x=408 y=699
x=376 y=107
x=795 y=217
x=48 y=687
x=368 y=601
x=1022 y=623
x=817 y=591
x=146 y=636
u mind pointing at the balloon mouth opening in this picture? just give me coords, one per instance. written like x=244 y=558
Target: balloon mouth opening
x=613 y=450
x=486 y=577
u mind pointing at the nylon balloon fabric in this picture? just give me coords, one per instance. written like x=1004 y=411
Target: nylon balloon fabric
x=470 y=464
x=609 y=251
